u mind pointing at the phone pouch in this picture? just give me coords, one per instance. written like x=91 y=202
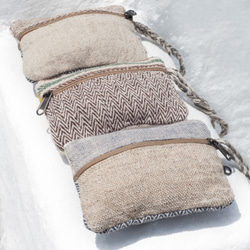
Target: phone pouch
x=82 y=39
x=140 y=175
x=109 y=98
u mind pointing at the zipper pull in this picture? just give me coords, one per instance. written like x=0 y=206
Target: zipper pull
x=218 y=146
x=129 y=14
x=227 y=170
x=44 y=103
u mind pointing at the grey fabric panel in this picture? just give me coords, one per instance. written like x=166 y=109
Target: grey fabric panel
x=80 y=152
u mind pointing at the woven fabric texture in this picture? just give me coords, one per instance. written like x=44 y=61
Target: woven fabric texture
x=19 y=27
x=151 y=218
x=76 y=41
x=152 y=180
x=112 y=102
x=80 y=152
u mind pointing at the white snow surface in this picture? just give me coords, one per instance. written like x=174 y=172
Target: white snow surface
x=39 y=206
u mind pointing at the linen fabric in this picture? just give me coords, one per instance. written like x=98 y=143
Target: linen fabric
x=77 y=40
x=148 y=183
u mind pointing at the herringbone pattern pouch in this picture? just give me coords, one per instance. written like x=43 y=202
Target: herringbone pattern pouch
x=109 y=98
x=140 y=175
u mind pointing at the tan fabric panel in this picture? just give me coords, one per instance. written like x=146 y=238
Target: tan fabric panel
x=79 y=41
x=150 y=181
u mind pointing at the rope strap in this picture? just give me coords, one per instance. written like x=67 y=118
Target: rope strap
x=243 y=167
x=147 y=32
x=179 y=80
x=198 y=101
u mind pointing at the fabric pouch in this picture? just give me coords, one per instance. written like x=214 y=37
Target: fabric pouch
x=51 y=46
x=140 y=175
x=109 y=98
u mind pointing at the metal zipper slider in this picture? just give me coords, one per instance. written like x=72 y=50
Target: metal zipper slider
x=44 y=103
x=227 y=170
x=129 y=14
x=218 y=146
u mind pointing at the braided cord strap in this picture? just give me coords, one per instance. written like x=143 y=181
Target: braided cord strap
x=180 y=81
x=243 y=167
x=147 y=32
x=198 y=101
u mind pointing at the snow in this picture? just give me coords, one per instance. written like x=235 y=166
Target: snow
x=39 y=207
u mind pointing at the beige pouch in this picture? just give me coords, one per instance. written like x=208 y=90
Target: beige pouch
x=81 y=39
x=140 y=175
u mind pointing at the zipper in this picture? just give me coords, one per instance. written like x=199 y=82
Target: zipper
x=207 y=141
x=128 y=15
x=219 y=146
x=44 y=103
x=47 y=96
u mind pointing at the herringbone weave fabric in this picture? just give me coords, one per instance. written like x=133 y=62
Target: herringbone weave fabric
x=113 y=102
